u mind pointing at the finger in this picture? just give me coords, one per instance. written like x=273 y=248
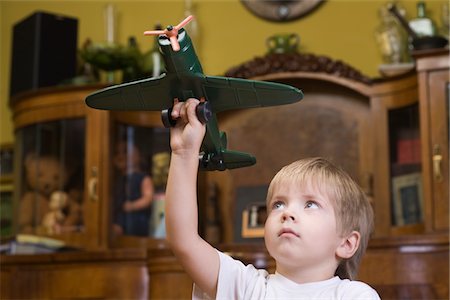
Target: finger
x=176 y=108
x=182 y=110
x=191 y=105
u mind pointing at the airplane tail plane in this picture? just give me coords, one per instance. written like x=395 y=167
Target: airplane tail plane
x=226 y=159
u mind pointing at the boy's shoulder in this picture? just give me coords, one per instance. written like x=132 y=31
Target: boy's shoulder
x=353 y=289
x=279 y=287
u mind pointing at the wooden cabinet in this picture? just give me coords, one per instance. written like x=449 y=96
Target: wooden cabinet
x=40 y=122
x=58 y=133
x=434 y=93
x=101 y=274
x=412 y=143
x=119 y=274
x=407 y=267
x=395 y=115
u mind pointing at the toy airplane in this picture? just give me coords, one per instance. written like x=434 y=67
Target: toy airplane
x=184 y=79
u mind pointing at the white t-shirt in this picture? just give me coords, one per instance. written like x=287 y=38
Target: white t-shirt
x=238 y=282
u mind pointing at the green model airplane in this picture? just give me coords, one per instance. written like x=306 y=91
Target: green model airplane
x=184 y=79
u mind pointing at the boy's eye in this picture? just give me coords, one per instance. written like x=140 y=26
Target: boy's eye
x=311 y=204
x=277 y=205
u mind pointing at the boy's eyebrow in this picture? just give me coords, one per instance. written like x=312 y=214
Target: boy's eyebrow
x=310 y=196
x=275 y=197
x=315 y=198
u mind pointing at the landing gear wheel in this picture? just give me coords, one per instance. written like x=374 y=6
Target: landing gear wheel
x=203 y=112
x=166 y=117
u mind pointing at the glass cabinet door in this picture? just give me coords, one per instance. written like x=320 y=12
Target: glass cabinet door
x=399 y=207
x=140 y=163
x=57 y=138
x=51 y=177
x=93 y=179
x=407 y=205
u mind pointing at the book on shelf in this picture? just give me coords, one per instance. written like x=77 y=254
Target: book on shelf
x=408 y=151
x=33 y=244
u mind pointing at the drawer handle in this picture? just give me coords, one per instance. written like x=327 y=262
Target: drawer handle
x=92 y=185
x=437 y=163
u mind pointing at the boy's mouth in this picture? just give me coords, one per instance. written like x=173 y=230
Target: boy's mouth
x=287 y=232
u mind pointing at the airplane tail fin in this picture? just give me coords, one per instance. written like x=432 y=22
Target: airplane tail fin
x=223 y=139
x=227 y=159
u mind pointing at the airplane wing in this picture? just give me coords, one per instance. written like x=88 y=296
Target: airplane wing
x=146 y=94
x=226 y=93
x=226 y=159
x=223 y=93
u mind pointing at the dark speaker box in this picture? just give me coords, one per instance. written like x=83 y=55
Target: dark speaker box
x=44 y=51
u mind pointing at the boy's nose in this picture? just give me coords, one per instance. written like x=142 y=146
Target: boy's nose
x=287 y=216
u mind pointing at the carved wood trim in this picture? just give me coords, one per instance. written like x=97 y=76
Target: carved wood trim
x=296 y=62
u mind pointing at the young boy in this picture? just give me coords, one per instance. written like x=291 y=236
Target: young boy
x=317 y=227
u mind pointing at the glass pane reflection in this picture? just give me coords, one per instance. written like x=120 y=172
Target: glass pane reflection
x=141 y=160
x=51 y=177
x=406 y=170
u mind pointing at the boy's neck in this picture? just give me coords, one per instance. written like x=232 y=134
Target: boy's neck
x=307 y=274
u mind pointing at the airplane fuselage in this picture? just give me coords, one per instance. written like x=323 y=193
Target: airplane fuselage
x=184 y=68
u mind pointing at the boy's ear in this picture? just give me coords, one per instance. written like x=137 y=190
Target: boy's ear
x=349 y=245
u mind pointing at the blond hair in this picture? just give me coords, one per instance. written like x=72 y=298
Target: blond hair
x=351 y=206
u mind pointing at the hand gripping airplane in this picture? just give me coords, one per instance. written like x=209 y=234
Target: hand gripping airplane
x=184 y=79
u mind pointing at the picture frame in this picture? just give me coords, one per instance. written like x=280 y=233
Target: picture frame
x=253 y=220
x=407 y=199
x=250 y=213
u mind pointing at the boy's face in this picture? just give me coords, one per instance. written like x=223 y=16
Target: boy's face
x=300 y=230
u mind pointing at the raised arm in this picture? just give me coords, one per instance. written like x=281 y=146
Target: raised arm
x=199 y=259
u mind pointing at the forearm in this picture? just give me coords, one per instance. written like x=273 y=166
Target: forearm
x=199 y=259
x=181 y=202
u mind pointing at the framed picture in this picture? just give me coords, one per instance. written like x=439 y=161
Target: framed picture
x=407 y=199
x=250 y=213
x=253 y=219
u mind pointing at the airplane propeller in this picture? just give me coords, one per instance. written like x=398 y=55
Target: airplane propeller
x=171 y=32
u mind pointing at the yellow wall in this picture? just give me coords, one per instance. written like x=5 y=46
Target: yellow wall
x=229 y=33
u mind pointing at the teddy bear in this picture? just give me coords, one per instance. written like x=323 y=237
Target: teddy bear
x=54 y=219
x=46 y=174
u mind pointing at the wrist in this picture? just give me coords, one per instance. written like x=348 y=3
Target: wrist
x=185 y=155
x=185 y=160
